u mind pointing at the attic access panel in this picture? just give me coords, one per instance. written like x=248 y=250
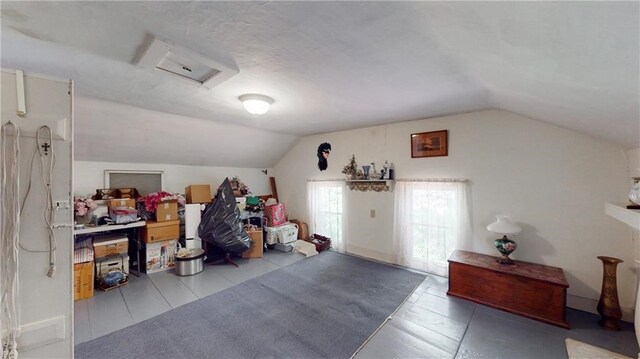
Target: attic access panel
x=185 y=64
x=185 y=67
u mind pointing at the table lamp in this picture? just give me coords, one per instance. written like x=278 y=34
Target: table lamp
x=504 y=245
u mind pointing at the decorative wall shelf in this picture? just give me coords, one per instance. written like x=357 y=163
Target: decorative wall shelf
x=371 y=185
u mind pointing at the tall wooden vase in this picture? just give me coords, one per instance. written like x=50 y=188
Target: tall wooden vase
x=609 y=306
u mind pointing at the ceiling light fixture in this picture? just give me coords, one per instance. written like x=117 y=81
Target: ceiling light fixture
x=256 y=104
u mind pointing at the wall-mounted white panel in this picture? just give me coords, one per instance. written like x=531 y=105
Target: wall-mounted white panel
x=47 y=319
x=42 y=99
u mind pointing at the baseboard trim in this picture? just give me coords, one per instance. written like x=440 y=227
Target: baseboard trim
x=45 y=332
x=368 y=253
x=591 y=306
x=573 y=301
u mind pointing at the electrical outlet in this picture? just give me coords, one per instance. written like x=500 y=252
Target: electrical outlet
x=373 y=213
x=62 y=205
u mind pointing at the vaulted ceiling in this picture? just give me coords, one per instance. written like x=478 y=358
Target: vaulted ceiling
x=332 y=66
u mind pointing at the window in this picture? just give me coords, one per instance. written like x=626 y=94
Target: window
x=431 y=221
x=326 y=210
x=144 y=181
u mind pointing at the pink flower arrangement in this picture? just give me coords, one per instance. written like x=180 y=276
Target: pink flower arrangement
x=82 y=206
x=181 y=200
x=152 y=200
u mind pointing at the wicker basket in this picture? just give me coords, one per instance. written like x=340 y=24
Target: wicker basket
x=322 y=243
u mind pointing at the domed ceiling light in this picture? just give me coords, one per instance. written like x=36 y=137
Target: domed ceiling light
x=256 y=104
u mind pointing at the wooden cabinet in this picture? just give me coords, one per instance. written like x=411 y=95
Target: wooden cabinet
x=532 y=290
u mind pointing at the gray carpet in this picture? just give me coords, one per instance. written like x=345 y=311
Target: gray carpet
x=325 y=306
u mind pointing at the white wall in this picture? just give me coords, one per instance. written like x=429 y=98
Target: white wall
x=114 y=132
x=552 y=181
x=633 y=170
x=633 y=158
x=89 y=176
x=43 y=301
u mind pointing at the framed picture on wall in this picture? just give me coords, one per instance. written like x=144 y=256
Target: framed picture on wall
x=429 y=144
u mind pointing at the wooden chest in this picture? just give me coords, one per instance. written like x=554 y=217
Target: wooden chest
x=532 y=290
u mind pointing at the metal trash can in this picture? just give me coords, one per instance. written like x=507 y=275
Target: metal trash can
x=190 y=264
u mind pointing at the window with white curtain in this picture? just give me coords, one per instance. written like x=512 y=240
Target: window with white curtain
x=325 y=200
x=431 y=221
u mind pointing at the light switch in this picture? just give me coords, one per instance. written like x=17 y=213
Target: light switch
x=373 y=213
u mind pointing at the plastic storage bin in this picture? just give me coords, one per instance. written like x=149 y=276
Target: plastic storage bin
x=285 y=233
x=110 y=244
x=111 y=263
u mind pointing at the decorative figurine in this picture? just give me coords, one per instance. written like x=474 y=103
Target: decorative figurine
x=365 y=172
x=385 y=170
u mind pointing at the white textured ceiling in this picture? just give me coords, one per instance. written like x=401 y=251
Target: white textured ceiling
x=340 y=65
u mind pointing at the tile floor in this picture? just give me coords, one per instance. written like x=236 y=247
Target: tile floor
x=431 y=324
x=149 y=295
x=428 y=325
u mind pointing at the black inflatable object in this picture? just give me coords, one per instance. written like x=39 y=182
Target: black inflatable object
x=221 y=225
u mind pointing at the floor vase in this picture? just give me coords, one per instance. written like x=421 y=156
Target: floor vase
x=609 y=306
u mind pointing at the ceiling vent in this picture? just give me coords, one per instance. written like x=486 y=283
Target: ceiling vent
x=185 y=64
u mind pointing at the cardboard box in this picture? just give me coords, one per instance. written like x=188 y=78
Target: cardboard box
x=110 y=244
x=116 y=262
x=82 y=280
x=161 y=231
x=129 y=193
x=167 y=211
x=159 y=256
x=198 y=193
x=122 y=202
x=256 y=246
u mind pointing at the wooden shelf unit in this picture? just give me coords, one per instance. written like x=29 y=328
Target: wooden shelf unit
x=376 y=185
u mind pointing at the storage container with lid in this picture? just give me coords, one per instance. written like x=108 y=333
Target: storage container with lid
x=110 y=244
x=285 y=233
x=192 y=263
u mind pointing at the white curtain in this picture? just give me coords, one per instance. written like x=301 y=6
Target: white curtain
x=326 y=208
x=431 y=220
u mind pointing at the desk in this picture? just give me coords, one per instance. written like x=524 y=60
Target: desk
x=119 y=227
x=532 y=290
